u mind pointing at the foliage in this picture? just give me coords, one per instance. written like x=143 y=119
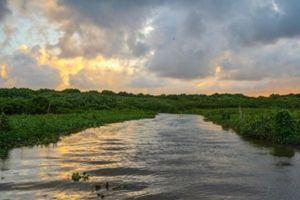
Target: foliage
x=42 y=116
x=45 y=129
x=85 y=176
x=284 y=126
x=26 y=101
x=39 y=105
x=76 y=176
x=4 y=124
x=225 y=116
x=278 y=126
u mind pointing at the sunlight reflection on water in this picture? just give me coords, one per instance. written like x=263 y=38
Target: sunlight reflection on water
x=169 y=157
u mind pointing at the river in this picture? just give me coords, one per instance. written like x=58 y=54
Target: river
x=168 y=157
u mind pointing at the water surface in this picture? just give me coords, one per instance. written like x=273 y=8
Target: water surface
x=169 y=157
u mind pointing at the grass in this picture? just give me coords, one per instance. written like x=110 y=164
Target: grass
x=28 y=130
x=273 y=125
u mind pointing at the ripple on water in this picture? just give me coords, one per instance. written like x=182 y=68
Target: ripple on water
x=169 y=157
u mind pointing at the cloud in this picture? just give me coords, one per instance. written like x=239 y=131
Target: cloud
x=4 y=10
x=178 y=54
x=269 y=61
x=186 y=40
x=23 y=71
x=146 y=82
x=114 y=27
x=167 y=41
x=85 y=79
x=265 y=24
x=98 y=79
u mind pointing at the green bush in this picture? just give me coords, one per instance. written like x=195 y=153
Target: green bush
x=267 y=124
x=284 y=126
x=45 y=129
x=225 y=116
x=261 y=126
x=39 y=105
x=4 y=124
x=76 y=176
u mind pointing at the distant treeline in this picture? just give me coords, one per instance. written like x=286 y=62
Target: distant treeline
x=27 y=101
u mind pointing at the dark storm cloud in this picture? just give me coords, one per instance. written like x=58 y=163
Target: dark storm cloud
x=105 y=27
x=269 y=23
x=185 y=42
x=110 y=13
x=188 y=38
x=28 y=73
x=4 y=10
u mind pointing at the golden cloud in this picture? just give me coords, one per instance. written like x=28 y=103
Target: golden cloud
x=95 y=67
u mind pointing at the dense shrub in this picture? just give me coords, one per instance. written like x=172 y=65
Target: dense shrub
x=45 y=129
x=267 y=124
x=225 y=116
x=4 y=124
x=39 y=105
x=18 y=101
x=284 y=126
x=71 y=90
x=262 y=126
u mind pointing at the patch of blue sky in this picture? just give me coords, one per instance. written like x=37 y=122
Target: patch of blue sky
x=30 y=31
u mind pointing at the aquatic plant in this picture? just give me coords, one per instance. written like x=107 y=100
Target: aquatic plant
x=76 y=176
x=85 y=176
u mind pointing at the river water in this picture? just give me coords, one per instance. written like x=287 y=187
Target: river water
x=168 y=157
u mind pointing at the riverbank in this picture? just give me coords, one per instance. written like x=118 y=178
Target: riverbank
x=140 y=156
x=30 y=117
x=279 y=126
x=271 y=125
x=28 y=130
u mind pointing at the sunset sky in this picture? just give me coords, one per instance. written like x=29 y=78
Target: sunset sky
x=152 y=46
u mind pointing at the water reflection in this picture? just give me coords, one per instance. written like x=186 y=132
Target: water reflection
x=282 y=151
x=169 y=157
x=275 y=149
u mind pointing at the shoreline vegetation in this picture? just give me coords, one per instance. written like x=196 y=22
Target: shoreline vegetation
x=30 y=130
x=33 y=117
x=277 y=126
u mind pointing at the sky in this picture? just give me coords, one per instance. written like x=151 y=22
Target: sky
x=152 y=46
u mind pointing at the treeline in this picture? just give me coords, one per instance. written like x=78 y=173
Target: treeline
x=27 y=101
